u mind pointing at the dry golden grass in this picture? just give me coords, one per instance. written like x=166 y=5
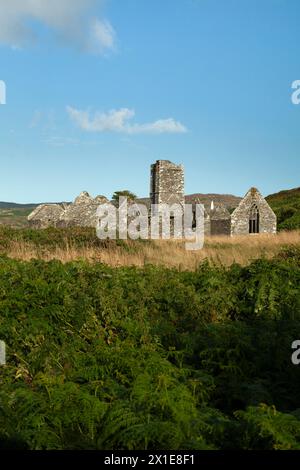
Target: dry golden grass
x=170 y=253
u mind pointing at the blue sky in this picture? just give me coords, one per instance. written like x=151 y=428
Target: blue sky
x=98 y=90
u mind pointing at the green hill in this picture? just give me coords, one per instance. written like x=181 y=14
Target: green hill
x=15 y=216
x=15 y=205
x=286 y=205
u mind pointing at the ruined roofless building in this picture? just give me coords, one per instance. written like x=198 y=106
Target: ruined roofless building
x=167 y=187
x=45 y=215
x=253 y=215
x=82 y=213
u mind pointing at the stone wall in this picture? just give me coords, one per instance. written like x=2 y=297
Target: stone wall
x=166 y=187
x=82 y=213
x=45 y=215
x=167 y=183
x=220 y=227
x=220 y=220
x=240 y=216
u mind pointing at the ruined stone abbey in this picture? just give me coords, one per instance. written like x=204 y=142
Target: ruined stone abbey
x=251 y=214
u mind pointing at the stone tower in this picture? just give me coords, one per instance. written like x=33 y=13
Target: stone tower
x=166 y=183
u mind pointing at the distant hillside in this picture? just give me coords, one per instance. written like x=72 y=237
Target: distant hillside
x=13 y=205
x=14 y=214
x=286 y=205
x=228 y=200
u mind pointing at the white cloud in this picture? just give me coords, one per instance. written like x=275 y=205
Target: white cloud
x=102 y=36
x=70 y=20
x=119 y=121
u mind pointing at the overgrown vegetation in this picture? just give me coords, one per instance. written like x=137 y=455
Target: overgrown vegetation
x=150 y=358
x=286 y=205
x=53 y=237
x=78 y=243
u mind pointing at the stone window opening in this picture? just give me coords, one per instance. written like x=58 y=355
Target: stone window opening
x=254 y=219
x=194 y=219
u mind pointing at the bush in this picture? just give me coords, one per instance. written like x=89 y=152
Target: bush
x=152 y=358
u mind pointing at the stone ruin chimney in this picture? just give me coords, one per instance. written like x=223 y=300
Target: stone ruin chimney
x=166 y=183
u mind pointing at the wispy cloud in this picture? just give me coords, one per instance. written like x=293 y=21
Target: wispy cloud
x=120 y=121
x=102 y=37
x=70 y=20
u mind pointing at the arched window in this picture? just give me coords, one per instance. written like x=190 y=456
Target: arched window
x=254 y=219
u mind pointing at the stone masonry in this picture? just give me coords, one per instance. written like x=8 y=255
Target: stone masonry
x=82 y=213
x=166 y=183
x=252 y=215
x=46 y=215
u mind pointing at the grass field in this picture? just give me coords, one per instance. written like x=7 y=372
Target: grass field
x=74 y=244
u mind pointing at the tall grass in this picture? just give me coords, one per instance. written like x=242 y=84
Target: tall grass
x=171 y=253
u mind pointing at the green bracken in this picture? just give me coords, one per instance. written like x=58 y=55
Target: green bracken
x=150 y=358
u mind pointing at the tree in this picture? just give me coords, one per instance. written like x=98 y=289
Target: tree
x=125 y=193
